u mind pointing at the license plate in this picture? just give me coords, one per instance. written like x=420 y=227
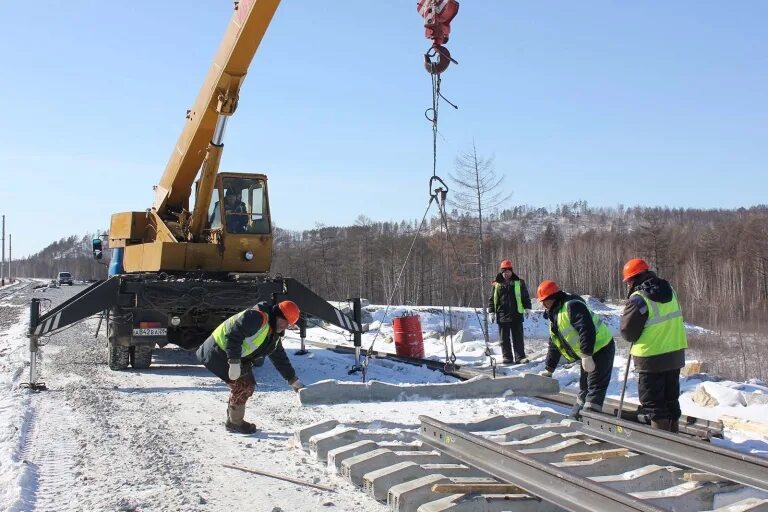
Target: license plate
x=150 y=331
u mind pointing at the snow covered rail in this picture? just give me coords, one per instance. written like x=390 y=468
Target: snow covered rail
x=559 y=463
x=11 y=289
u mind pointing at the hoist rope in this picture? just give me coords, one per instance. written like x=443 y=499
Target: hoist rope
x=433 y=196
x=450 y=356
x=369 y=352
x=452 y=244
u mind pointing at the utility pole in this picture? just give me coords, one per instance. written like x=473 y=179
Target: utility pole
x=2 y=262
x=10 y=258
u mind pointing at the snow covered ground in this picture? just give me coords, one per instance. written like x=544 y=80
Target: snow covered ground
x=154 y=440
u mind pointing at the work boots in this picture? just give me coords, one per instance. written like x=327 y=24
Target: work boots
x=575 y=413
x=662 y=424
x=236 y=422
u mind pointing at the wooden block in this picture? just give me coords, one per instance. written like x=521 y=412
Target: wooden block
x=690 y=368
x=478 y=489
x=745 y=425
x=600 y=454
x=702 y=477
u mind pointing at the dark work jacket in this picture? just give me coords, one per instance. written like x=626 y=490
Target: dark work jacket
x=507 y=310
x=636 y=314
x=581 y=320
x=217 y=360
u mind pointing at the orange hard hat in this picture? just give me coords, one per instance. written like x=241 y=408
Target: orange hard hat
x=505 y=264
x=633 y=267
x=546 y=289
x=290 y=311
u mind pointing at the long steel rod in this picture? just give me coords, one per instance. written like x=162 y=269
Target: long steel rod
x=538 y=478
x=698 y=427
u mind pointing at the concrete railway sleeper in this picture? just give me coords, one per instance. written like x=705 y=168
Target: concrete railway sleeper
x=690 y=425
x=558 y=464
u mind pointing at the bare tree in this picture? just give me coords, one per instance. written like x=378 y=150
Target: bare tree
x=479 y=191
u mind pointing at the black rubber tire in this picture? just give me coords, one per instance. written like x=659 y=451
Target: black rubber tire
x=118 y=356
x=141 y=357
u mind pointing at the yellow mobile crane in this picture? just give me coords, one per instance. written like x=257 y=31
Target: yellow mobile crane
x=177 y=273
x=213 y=237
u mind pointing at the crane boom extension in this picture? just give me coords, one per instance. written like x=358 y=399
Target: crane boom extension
x=218 y=97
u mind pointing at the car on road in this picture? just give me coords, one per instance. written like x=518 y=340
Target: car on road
x=64 y=278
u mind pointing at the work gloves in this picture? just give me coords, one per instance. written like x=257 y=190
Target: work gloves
x=492 y=317
x=296 y=384
x=546 y=373
x=234 y=369
x=588 y=364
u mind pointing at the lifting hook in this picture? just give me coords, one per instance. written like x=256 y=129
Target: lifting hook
x=437 y=15
x=442 y=59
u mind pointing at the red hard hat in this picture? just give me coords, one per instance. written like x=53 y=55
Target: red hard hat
x=633 y=267
x=290 y=311
x=505 y=264
x=546 y=289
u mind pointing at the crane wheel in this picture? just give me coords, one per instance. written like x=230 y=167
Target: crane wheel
x=118 y=355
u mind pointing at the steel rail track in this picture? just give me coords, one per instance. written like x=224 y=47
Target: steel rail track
x=548 y=482
x=552 y=462
x=729 y=464
x=691 y=425
x=24 y=286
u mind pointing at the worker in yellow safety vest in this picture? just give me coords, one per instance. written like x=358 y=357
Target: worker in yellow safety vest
x=508 y=306
x=237 y=343
x=578 y=334
x=653 y=322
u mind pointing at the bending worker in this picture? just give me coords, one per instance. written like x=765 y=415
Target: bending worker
x=576 y=333
x=508 y=306
x=653 y=322
x=239 y=341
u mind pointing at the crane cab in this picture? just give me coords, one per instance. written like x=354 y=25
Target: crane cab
x=239 y=205
x=237 y=236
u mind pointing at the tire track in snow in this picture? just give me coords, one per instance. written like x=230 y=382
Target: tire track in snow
x=49 y=450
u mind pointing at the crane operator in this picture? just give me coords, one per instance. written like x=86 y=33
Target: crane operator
x=235 y=212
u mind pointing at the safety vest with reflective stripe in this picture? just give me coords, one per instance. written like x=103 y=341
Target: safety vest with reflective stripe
x=250 y=343
x=664 y=331
x=568 y=341
x=518 y=297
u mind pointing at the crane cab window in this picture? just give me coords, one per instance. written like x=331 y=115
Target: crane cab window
x=244 y=207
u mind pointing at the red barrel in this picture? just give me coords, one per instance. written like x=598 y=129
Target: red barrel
x=408 y=339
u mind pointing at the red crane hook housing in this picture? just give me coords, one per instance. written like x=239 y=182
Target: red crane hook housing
x=437 y=15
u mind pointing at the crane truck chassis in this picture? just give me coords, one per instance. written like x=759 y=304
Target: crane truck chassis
x=147 y=310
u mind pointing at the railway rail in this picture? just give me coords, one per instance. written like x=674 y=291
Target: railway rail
x=600 y=464
x=20 y=285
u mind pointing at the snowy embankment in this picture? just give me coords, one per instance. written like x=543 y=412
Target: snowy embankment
x=153 y=439
x=13 y=399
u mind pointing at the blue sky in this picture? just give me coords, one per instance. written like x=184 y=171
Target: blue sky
x=639 y=103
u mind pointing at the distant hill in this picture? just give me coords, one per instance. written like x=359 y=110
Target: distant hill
x=72 y=254
x=717 y=259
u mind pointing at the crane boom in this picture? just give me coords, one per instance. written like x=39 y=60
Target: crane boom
x=217 y=97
